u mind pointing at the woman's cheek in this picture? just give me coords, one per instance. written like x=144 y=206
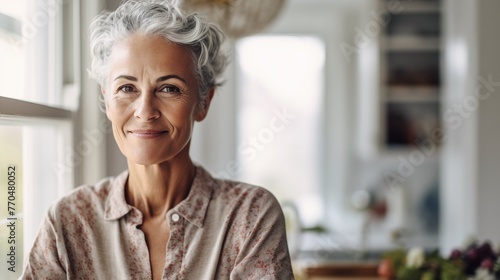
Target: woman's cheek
x=119 y=104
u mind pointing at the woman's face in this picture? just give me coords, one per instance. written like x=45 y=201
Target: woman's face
x=151 y=99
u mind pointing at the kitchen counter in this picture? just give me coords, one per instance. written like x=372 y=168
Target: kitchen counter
x=337 y=271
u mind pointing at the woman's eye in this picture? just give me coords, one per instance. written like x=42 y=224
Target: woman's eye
x=170 y=89
x=126 y=89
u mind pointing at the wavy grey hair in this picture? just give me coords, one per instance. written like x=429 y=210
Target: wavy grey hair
x=165 y=19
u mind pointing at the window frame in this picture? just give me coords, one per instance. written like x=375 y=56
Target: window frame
x=66 y=34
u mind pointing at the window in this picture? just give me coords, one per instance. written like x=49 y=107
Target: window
x=12 y=55
x=35 y=128
x=280 y=91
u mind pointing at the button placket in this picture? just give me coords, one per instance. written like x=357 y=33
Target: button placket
x=175 y=252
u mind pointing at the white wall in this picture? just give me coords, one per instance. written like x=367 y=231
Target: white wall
x=213 y=144
x=93 y=167
x=488 y=157
x=471 y=157
x=333 y=22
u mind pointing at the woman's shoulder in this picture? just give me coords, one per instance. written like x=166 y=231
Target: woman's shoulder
x=227 y=191
x=233 y=192
x=245 y=209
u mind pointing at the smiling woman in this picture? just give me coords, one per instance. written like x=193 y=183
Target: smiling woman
x=152 y=100
x=165 y=217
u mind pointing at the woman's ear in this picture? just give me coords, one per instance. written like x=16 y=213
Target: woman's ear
x=202 y=112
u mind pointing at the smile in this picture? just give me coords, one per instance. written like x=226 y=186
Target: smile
x=148 y=134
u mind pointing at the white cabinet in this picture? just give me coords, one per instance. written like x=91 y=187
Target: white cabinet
x=410 y=77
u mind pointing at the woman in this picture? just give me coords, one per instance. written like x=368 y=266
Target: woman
x=165 y=217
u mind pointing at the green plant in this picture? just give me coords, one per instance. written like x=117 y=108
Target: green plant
x=476 y=261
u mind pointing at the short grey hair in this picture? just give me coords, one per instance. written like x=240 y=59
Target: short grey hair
x=165 y=19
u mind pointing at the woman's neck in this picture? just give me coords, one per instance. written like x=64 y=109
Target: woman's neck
x=155 y=189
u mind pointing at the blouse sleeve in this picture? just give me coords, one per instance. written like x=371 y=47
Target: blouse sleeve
x=264 y=252
x=44 y=259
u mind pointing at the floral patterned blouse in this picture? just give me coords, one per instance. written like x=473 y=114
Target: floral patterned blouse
x=222 y=230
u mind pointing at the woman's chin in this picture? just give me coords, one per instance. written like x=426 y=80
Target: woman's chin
x=155 y=155
x=147 y=159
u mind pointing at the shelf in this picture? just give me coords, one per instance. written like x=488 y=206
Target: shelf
x=393 y=153
x=412 y=68
x=422 y=94
x=420 y=7
x=410 y=79
x=412 y=99
x=411 y=43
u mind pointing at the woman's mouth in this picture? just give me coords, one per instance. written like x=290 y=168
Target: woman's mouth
x=148 y=134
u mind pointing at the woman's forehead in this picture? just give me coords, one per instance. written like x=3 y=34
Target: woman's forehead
x=139 y=53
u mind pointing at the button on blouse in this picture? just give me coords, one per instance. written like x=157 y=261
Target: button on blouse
x=175 y=218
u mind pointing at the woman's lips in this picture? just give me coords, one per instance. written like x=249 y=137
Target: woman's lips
x=147 y=134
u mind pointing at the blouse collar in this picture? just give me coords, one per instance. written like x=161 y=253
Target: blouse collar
x=193 y=208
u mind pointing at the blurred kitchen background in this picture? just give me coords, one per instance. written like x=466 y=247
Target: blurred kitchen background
x=374 y=122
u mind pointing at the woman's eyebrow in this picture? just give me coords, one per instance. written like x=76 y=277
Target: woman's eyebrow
x=166 y=77
x=160 y=79
x=131 y=78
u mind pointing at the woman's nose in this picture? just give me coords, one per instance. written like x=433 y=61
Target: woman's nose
x=146 y=109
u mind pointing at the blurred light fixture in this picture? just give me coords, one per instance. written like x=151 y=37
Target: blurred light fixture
x=237 y=18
